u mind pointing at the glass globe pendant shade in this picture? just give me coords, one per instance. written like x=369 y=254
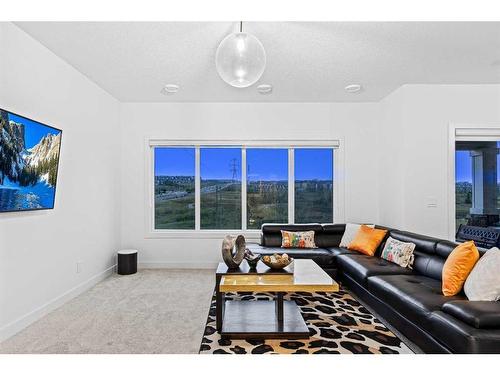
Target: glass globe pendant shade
x=240 y=59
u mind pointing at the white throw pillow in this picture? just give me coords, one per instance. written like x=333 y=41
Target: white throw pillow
x=350 y=232
x=483 y=283
x=399 y=252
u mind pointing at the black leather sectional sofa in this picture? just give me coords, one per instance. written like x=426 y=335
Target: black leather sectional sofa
x=410 y=300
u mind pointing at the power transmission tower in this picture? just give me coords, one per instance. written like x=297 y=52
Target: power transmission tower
x=217 y=207
x=233 y=168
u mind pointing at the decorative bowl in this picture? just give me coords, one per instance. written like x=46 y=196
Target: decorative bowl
x=277 y=261
x=252 y=261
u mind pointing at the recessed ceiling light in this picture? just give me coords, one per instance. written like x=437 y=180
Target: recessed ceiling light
x=169 y=89
x=265 y=89
x=353 y=89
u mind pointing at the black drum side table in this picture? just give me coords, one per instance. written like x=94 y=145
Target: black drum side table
x=127 y=262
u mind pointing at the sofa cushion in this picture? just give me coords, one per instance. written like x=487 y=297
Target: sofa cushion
x=350 y=232
x=321 y=256
x=479 y=314
x=398 y=252
x=457 y=267
x=367 y=240
x=413 y=296
x=461 y=337
x=336 y=251
x=483 y=283
x=422 y=243
x=330 y=236
x=444 y=248
x=301 y=240
x=427 y=261
x=271 y=233
x=360 y=267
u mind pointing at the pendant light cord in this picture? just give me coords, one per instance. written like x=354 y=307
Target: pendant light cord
x=241 y=26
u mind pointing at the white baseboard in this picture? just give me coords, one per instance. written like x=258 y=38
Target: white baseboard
x=14 y=327
x=178 y=265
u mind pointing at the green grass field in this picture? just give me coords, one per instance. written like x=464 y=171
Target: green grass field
x=220 y=205
x=170 y=212
x=221 y=209
x=266 y=204
x=314 y=202
x=175 y=213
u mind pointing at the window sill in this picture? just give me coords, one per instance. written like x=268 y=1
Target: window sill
x=250 y=235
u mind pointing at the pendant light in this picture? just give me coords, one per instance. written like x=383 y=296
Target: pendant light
x=240 y=59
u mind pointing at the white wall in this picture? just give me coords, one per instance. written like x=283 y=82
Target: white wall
x=356 y=124
x=391 y=160
x=414 y=149
x=39 y=250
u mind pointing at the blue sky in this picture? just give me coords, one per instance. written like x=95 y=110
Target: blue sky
x=311 y=164
x=463 y=167
x=215 y=163
x=267 y=164
x=174 y=162
x=34 y=131
x=262 y=164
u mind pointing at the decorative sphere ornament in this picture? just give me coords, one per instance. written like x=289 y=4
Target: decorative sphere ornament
x=240 y=59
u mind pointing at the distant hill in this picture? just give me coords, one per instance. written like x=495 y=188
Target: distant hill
x=463 y=187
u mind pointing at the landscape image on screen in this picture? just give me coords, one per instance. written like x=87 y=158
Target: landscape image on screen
x=29 y=158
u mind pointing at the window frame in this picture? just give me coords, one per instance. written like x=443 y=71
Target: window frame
x=293 y=193
x=463 y=132
x=244 y=199
x=198 y=195
x=253 y=234
x=153 y=163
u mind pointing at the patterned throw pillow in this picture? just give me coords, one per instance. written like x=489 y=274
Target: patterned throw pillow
x=483 y=283
x=298 y=239
x=399 y=252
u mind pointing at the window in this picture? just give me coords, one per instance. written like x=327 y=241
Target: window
x=235 y=187
x=313 y=185
x=477 y=183
x=174 y=188
x=220 y=194
x=267 y=186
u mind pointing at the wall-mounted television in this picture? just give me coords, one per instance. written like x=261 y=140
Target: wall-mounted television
x=29 y=161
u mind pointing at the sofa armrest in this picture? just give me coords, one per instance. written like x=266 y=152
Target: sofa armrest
x=479 y=314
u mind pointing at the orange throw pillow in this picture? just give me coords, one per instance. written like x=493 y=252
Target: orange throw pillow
x=367 y=240
x=458 y=266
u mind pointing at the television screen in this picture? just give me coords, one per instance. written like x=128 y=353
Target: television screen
x=29 y=159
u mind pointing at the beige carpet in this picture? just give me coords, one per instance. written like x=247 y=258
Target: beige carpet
x=153 y=311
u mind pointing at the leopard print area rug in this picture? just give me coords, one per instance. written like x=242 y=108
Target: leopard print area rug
x=337 y=322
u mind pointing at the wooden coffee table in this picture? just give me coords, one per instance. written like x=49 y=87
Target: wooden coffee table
x=267 y=319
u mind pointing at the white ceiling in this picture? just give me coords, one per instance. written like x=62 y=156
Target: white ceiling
x=306 y=61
